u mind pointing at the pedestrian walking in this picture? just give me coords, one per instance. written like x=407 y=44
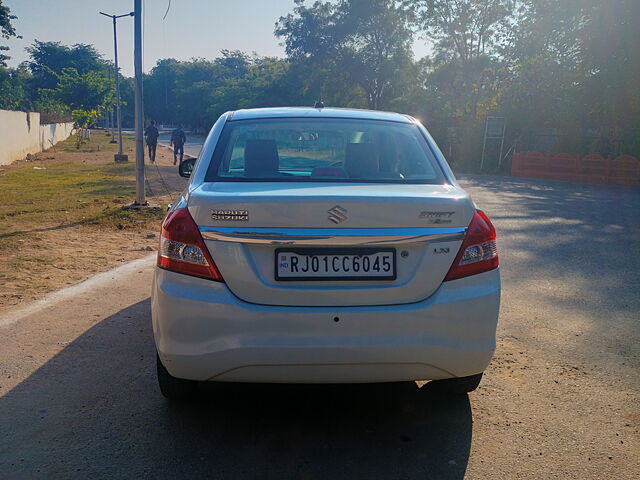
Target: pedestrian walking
x=151 y=135
x=178 y=139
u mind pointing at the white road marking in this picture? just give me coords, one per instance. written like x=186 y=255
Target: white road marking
x=60 y=295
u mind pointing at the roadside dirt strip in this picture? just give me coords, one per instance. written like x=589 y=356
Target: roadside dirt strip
x=48 y=244
x=105 y=280
x=560 y=400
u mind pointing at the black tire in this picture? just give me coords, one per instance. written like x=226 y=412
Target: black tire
x=175 y=389
x=456 y=386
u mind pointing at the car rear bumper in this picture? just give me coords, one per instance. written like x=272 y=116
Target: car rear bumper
x=204 y=332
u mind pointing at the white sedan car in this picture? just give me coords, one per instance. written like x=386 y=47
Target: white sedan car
x=323 y=246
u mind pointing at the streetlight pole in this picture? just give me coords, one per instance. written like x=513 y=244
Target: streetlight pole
x=119 y=157
x=137 y=68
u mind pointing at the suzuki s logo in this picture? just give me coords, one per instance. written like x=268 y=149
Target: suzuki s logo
x=337 y=214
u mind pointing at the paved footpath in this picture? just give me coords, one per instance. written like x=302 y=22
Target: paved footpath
x=78 y=397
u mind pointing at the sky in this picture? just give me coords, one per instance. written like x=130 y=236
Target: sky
x=192 y=28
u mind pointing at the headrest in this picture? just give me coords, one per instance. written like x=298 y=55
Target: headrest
x=362 y=160
x=261 y=158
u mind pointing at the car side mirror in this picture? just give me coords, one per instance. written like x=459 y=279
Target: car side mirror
x=186 y=167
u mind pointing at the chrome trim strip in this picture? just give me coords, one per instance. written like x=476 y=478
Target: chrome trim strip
x=332 y=236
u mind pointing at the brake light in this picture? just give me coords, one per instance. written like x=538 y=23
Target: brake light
x=182 y=249
x=479 y=250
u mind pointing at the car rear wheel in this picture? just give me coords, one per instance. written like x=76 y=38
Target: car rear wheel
x=177 y=389
x=456 y=386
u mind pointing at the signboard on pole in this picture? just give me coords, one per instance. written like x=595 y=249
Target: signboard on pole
x=494 y=129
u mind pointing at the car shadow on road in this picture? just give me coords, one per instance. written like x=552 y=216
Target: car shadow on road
x=95 y=410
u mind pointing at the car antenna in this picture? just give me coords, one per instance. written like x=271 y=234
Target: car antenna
x=319 y=103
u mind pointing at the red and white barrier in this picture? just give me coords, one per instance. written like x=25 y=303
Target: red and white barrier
x=624 y=170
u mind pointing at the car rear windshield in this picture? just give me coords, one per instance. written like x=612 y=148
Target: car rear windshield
x=323 y=150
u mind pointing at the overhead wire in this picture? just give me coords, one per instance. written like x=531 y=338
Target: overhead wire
x=167 y=12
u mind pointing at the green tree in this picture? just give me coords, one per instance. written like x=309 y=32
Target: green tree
x=6 y=31
x=160 y=90
x=609 y=38
x=196 y=92
x=462 y=29
x=377 y=44
x=235 y=64
x=461 y=82
x=264 y=84
x=82 y=120
x=368 y=40
x=13 y=94
x=467 y=36
x=88 y=91
x=127 y=101
x=48 y=59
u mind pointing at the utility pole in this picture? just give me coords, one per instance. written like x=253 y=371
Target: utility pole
x=119 y=157
x=137 y=67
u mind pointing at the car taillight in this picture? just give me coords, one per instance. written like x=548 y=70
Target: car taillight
x=479 y=251
x=182 y=249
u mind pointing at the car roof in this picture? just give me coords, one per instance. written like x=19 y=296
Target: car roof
x=309 y=112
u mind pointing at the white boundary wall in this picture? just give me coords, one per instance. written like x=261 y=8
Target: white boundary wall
x=53 y=133
x=22 y=134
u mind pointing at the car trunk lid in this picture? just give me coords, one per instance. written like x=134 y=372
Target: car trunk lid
x=245 y=227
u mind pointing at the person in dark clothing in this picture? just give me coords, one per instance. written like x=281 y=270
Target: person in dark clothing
x=151 y=134
x=178 y=139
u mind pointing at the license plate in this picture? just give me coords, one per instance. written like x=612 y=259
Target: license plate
x=335 y=264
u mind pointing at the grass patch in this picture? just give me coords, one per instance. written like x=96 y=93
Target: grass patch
x=99 y=142
x=118 y=219
x=29 y=262
x=61 y=218
x=70 y=189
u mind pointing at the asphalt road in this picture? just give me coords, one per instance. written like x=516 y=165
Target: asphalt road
x=191 y=148
x=560 y=400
